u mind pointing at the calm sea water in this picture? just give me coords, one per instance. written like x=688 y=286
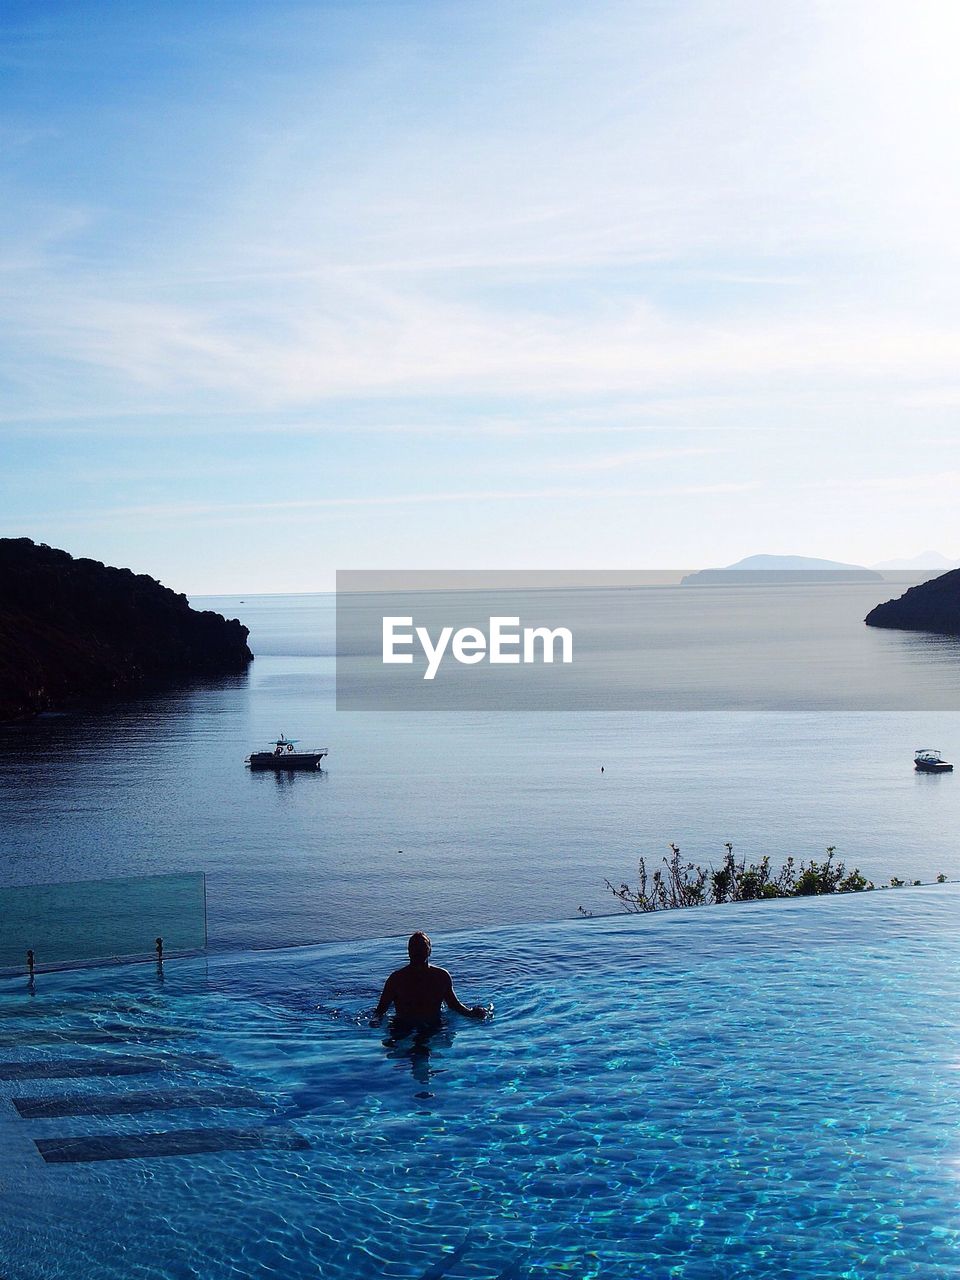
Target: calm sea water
x=449 y=820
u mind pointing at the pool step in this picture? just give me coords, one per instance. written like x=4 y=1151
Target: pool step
x=118 y=1066
x=92 y=1035
x=135 y=1102
x=197 y=1092
x=179 y=1142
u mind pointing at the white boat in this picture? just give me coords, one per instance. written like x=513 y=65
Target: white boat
x=284 y=755
x=929 y=760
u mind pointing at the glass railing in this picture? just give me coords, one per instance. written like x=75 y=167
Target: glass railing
x=88 y=920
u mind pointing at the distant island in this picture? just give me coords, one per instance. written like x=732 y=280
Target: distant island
x=925 y=560
x=772 y=570
x=931 y=606
x=75 y=629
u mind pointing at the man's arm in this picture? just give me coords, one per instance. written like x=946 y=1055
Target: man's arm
x=386 y=998
x=452 y=1002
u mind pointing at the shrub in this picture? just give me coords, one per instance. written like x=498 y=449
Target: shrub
x=687 y=884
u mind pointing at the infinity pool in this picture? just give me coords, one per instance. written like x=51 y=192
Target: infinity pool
x=761 y=1090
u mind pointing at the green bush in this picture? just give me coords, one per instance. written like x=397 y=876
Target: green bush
x=687 y=884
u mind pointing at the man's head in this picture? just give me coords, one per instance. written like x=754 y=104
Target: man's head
x=418 y=948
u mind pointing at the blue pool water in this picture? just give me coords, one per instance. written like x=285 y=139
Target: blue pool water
x=763 y=1090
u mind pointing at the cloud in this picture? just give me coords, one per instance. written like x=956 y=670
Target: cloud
x=626 y=458
x=375 y=340
x=935 y=486
x=178 y=511
x=400 y=224
x=593 y=203
x=932 y=398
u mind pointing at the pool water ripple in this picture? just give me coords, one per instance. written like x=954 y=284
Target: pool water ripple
x=765 y=1091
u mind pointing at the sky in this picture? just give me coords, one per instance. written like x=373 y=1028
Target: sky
x=292 y=288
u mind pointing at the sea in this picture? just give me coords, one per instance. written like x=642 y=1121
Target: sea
x=455 y=819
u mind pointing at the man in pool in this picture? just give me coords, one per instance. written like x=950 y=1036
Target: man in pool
x=419 y=990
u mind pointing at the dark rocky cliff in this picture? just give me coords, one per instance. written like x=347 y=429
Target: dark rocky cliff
x=77 y=629
x=931 y=606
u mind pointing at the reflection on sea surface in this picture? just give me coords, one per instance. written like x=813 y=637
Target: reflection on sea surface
x=440 y=820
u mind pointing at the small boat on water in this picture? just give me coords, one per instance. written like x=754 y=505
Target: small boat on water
x=929 y=760
x=284 y=755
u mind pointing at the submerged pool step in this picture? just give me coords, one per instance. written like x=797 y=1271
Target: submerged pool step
x=93 y=1035
x=135 y=1102
x=118 y=1066
x=179 y=1142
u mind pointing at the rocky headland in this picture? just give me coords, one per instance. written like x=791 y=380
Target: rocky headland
x=75 y=630
x=931 y=606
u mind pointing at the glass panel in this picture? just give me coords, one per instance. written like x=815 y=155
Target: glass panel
x=102 y=919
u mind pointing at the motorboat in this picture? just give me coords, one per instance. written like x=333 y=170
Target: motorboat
x=929 y=760
x=283 y=754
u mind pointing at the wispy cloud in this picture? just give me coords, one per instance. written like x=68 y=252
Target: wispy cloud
x=361 y=415
x=934 y=485
x=947 y=397
x=448 y=232
x=520 y=240
x=188 y=510
x=627 y=458
x=346 y=343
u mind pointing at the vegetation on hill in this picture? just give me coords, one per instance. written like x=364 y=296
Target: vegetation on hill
x=75 y=629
